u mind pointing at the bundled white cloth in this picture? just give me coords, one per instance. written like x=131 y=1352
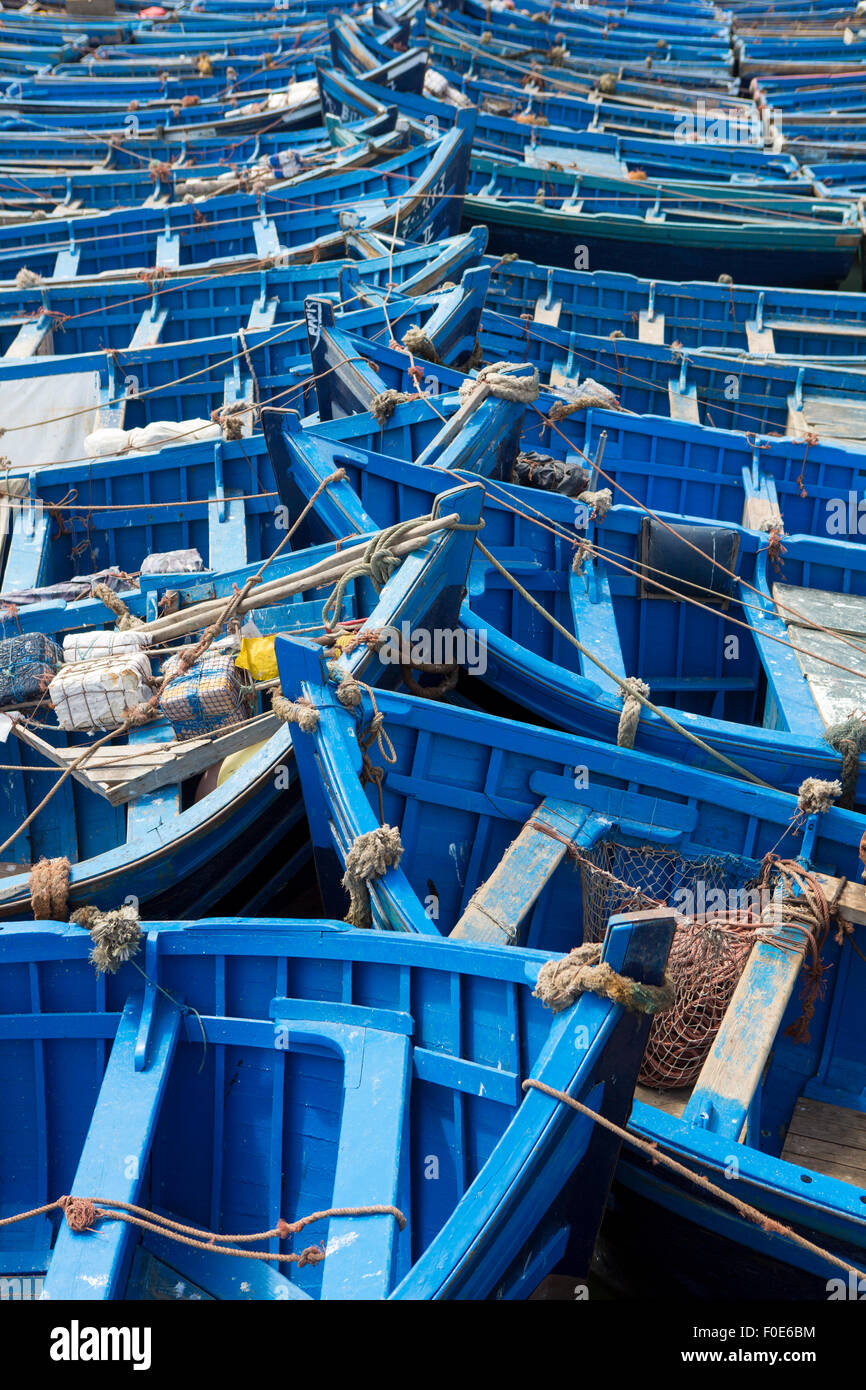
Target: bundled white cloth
x=437 y=85
x=99 y=694
x=104 y=442
x=296 y=94
x=172 y=562
x=88 y=646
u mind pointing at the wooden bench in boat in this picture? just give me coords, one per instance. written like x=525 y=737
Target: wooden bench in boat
x=497 y=909
x=124 y=771
x=733 y=1069
x=829 y=417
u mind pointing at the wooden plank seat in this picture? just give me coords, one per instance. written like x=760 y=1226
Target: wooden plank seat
x=121 y=772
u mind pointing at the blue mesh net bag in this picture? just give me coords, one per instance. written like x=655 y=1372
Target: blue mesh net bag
x=27 y=664
x=213 y=694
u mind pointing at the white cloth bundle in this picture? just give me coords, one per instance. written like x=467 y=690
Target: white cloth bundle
x=172 y=562
x=89 y=646
x=296 y=94
x=99 y=694
x=104 y=442
x=437 y=85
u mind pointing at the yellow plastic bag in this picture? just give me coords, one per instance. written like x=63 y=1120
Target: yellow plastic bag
x=257 y=656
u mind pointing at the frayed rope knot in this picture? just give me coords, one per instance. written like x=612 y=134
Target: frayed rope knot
x=125 y=619
x=561 y=982
x=301 y=712
x=369 y=857
x=501 y=381
x=49 y=889
x=27 y=279
x=415 y=340
x=599 y=503
x=815 y=796
x=631 y=689
x=349 y=692
x=382 y=407
x=312 y=1255
x=80 y=1212
x=116 y=935
x=581 y=555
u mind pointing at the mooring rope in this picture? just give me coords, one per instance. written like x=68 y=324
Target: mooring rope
x=83 y=1213
x=657 y=1155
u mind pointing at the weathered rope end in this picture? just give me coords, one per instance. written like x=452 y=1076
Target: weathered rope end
x=369 y=857
x=561 y=982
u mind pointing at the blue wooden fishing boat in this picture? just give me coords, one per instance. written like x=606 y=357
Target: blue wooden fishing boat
x=84 y=316
x=344 y=1049
x=507 y=124
x=478 y=802
x=74 y=408
x=217 y=497
x=695 y=314
x=755 y=654
x=650 y=229
x=733 y=390
x=417 y=194
x=187 y=823
x=78 y=192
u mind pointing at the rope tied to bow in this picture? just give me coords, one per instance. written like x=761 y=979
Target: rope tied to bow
x=561 y=982
x=126 y=620
x=378 y=563
x=501 y=381
x=370 y=856
x=599 y=502
x=49 y=889
x=415 y=340
x=116 y=935
x=383 y=405
x=301 y=712
x=630 y=691
x=815 y=796
x=349 y=691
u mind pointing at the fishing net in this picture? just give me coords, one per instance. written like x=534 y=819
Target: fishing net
x=718 y=901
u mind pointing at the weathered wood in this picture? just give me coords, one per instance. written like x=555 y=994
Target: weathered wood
x=732 y=1072
x=121 y=772
x=828 y=1139
x=760 y=340
x=849 y=898
x=683 y=404
x=760 y=512
x=496 y=910
x=830 y=417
